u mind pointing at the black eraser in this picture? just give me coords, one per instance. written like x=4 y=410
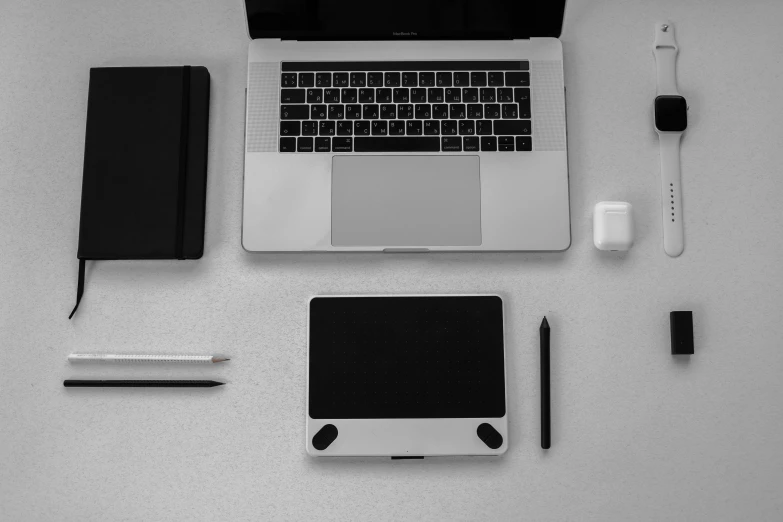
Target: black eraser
x=682 y=332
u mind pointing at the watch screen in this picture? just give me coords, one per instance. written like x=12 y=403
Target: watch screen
x=670 y=113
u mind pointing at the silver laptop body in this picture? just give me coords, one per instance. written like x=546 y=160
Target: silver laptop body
x=314 y=180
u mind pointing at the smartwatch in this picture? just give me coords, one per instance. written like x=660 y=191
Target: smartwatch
x=671 y=119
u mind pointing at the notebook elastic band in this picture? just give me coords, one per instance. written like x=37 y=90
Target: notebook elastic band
x=79 y=288
x=183 y=163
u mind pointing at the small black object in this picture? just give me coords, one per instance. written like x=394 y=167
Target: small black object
x=145 y=165
x=671 y=113
x=325 y=436
x=489 y=435
x=682 y=332
x=122 y=383
x=546 y=416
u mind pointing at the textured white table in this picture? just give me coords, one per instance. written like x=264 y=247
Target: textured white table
x=637 y=435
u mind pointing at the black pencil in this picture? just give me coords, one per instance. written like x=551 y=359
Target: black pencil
x=546 y=419
x=122 y=383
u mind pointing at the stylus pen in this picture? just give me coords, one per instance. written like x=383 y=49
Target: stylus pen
x=129 y=358
x=78 y=383
x=546 y=420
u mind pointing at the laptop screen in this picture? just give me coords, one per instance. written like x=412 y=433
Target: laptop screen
x=404 y=19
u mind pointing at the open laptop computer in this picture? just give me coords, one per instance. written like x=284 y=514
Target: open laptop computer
x=415 y=125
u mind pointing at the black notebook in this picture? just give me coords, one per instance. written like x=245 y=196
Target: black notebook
x=145 y=165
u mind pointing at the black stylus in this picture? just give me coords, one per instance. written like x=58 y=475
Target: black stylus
x=79 y=383
x=546 y=419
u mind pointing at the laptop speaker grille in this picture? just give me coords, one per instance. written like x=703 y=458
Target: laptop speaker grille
x=263 y=106
x=548 y=106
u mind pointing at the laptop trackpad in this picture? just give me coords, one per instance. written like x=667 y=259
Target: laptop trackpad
x=406 y=201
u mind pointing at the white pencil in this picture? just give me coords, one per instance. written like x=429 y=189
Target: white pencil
x=128 y=358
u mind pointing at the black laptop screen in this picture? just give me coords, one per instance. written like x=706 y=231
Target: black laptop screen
x=404 y=19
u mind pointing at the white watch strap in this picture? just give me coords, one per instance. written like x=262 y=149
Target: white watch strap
x=665 y=51
x=671 y=194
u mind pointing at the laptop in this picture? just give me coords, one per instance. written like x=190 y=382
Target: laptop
x=415 y=125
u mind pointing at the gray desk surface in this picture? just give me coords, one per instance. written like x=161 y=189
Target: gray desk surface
x=636 y=434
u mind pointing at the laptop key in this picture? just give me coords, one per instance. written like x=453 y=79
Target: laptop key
x=451 y=144
x=353 y=112
x=466 y=128
x=309 y=128
x=470 y=95
x=401 y=95
x=489 y=144
x=431 y=127
x=358 y=79
x=336 y=112
x=288 y=80
x=306 y=79
x=453 y=95
x=375 y=79
x=287 y=144
x=323 y=79
x=361 y=128
x=388 y=112
x=344 y=128
x=315 y=95
x=391 y=79
x=478 y=79
x=338 y=80
x=461 y=79
x=427 y=79
x=370 y=112
x=326 y=128
x=331 y=95
x=457 y=111
x=492 y=111
x=349 y=96
x=443 y=79
x=423 y=111
x=383 y=96
x=435 y=95
x=342 y=144
x=513 y=127
x=505 y=95
x=294 y=112
x=506 y=144
x=396 y=128
x=410 y=79
x=323 y=144
x=367 y=95
x=318 y=112
x=289 y=128
x=470 y=143
x=510 y=111
x=495 y=79
x=379 y=128
x=440 y=111
x=405 y=111
x=488 y=95
x=292 y=95
x=475 y=111
x=304 y=145
x=418 y=95
x=521 y=79
x=448 y=127
x=413 y=128
x=484 y=127
x=397 y=143
x=524 y=143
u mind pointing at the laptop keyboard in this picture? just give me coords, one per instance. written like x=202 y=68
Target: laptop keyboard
x=448 y=106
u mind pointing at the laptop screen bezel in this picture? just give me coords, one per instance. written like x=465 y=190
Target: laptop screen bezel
x=545 y=20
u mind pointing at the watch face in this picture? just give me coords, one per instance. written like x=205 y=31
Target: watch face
x=671 y=113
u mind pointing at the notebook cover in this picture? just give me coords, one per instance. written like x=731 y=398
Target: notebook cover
x=145 y=163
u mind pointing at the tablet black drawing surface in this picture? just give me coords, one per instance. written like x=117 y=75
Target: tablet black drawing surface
x=406 y=375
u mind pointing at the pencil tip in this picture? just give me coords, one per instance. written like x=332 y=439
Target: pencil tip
x=220 y=359
x=544 y=323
